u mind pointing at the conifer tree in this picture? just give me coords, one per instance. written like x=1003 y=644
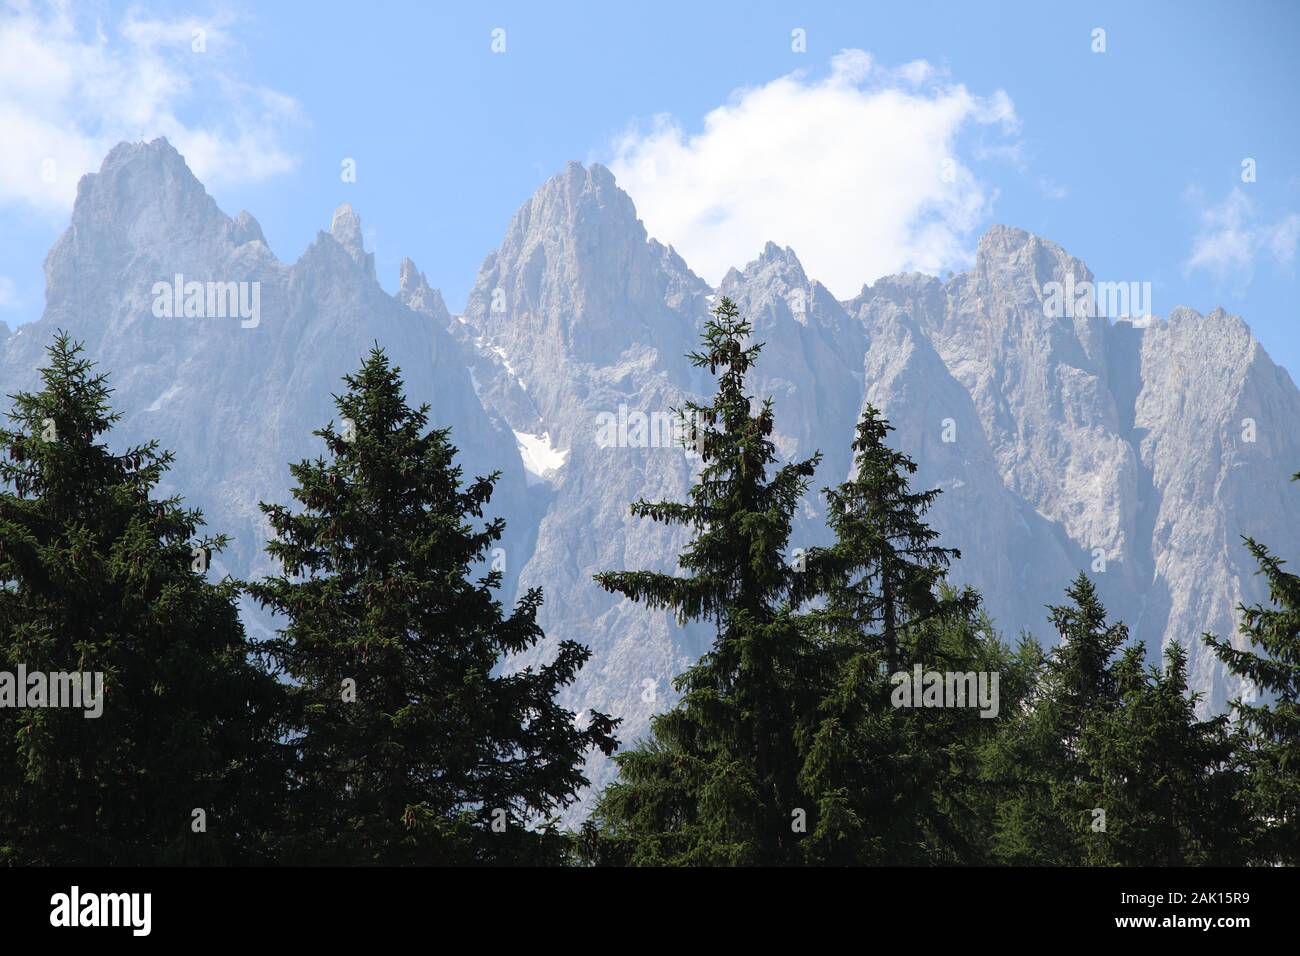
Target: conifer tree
x=1045 y=817
x=416 y=747
x=890 y=783
x=99 y=577
x=884 y=570
x=1107 y=763
x=899 y=785
x=1167 y=781
x=716 y=782
x=949 y=818
x=1271 y=725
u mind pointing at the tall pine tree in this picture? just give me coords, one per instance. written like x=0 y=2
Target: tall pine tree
x=1045 y=816
x=1167 y=781
x=98 y=576
x=1271 y=726
x=416 y=747
x=884 y=570
x=890 y=783
x=716 y=782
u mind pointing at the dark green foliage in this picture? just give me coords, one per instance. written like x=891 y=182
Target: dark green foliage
x=716 y=783
x=884 y=570
x=890 y=783
x=1167 y=781
x=436 y=744
x=96 y=575
x=1270 y=728
x=1045 y=817
x=900 y=785
x=1109 y=764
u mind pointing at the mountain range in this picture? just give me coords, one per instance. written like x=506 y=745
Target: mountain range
x=1137 y=449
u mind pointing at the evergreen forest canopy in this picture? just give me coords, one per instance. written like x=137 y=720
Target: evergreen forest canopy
x=854 y=707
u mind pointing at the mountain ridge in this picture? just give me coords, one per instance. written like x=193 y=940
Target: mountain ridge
x=1136 y=449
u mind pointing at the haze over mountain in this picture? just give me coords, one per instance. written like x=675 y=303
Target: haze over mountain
x=1143 y=447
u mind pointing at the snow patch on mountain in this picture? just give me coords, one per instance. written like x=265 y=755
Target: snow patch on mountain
x=541 y=459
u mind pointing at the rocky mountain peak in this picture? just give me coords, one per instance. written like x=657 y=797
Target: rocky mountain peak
x=247 y=229
x=1029 y=288
x=1023 y=263
x=412 y=279
x=416 y=293
x=345 y=227
x=346 y=230
x=143 y=211
x=158 y=154
x=773 y=289
x=581 y=203
x=144 y=194
x=576 y=274
x=778 y=261
x=1027 y=271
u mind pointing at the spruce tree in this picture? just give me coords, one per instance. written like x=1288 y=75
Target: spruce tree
x=884 y=570
x=896 y=785
x=890 y=783
x=1271 y=725
x=1045 y=817
x=1167 y=781
x=415 y=746
x=98 y=576
x=1106 y=762
x=716 y=782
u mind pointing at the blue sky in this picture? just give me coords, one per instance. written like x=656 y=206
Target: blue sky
x=1130 y=158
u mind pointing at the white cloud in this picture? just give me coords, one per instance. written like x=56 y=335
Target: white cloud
x=856 y=171
x=8 y=293
x=1232 y=236
x=70 y=90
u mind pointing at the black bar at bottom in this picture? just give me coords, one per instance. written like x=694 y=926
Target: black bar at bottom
x=593 y=907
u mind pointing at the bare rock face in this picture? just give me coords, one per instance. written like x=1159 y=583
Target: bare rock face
x=811 y=363
x=1041 y=387
x=1138 y=450
x=1211 y=423
x=938 y=425
x=235 y=396
x=585 y=323
x=345 y=228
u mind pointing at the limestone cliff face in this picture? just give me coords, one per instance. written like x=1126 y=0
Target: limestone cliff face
x=1137 y=450
x=1213 y=427
x=1015 y=556
x=236 y=401
x=585 y=323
